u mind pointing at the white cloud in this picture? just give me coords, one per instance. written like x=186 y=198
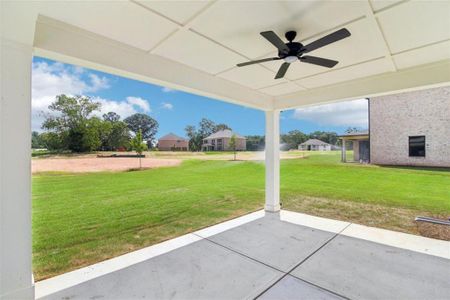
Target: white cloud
x=349 y=113
x=167 y=90
x=123 y=109
x=139 y=102
x=52 y=79
x=97 y=83
x=78 y=70
x=167 y=105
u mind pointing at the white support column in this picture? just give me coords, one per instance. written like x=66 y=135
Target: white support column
x=344 y=151
x=16 y=280
x=272 y=161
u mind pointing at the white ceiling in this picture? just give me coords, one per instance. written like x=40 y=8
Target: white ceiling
x=213 y=36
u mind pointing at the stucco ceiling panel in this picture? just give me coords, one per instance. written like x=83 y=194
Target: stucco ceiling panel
x=415 y=23
x=281 y=89
x=381 y=4
x=179 y=11
x=253 y=76
x=353 y=72
x=198 y=52
x=237 y=24
x=424 y=55
x=125 y=22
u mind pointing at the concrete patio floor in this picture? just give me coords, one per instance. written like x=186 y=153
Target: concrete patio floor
x=268 y=257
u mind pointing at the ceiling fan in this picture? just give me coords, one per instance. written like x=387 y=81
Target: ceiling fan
x=292 y=51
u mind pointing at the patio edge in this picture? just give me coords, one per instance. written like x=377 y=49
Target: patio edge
x=60 y=282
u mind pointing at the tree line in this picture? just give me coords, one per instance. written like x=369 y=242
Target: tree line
x=292 y=139
x=73 y=125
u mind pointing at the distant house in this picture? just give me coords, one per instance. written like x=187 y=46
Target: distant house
x=220 y=141
x=315 y=145
x=172 y=142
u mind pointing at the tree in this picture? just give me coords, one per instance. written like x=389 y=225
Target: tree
x=52 y=141
x=111 y=117
x=70 y=112
x=255 y=142
x=118 y=133
x=221 y=126
x=119 y=136
x=352 y=130
x=36 y=140
x=232 y=145
x=138 y=145
x=293 y=138
x=96 y=134
x=71 y=124
x=195 y=139
x=329 y=137
x=144 y=123
x=206 y=127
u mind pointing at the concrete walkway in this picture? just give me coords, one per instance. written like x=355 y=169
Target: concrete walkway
x=267 y=258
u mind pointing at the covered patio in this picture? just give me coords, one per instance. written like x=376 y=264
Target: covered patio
x=194 y=46
x=360 y=142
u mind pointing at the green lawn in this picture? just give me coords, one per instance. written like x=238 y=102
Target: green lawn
x=80 y=219
x=322 y=176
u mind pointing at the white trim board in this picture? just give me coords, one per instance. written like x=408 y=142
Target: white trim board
x=221 y=227
x=377 y=235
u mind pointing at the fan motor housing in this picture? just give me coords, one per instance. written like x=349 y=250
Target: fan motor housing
x=294 y=50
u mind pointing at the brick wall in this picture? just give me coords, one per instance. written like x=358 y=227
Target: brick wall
x=394 y=118
x=168 y=145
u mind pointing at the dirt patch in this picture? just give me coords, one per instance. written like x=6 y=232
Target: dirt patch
x=226 y=155
x=94 y=164
x=436 y=231
x=374 y=215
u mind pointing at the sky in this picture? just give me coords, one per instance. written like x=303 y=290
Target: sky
x=173 y=109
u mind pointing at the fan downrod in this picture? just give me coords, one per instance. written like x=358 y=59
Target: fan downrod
x=290 y=35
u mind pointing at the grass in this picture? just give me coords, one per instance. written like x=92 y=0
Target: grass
x=84 y=218
x=38 y=153
x=80 y=219
x=322 y=176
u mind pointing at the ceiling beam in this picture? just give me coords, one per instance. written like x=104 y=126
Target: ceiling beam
x=372 y=18
x=420 y=77
x=70 y=44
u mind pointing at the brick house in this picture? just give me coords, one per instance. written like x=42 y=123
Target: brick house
x=172 y=142
x=220 y=141
x=411 y=128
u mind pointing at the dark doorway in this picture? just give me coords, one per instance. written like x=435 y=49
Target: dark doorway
x=364 y=151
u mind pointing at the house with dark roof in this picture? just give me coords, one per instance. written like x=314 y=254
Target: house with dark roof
x=220 y=141
x=173 y=142
x=315 y=145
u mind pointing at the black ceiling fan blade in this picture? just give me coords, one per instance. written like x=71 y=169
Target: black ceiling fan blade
x=282 y=70
x=275 y=40
x=318 y=61
x=257 y=61
x=326 y=40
